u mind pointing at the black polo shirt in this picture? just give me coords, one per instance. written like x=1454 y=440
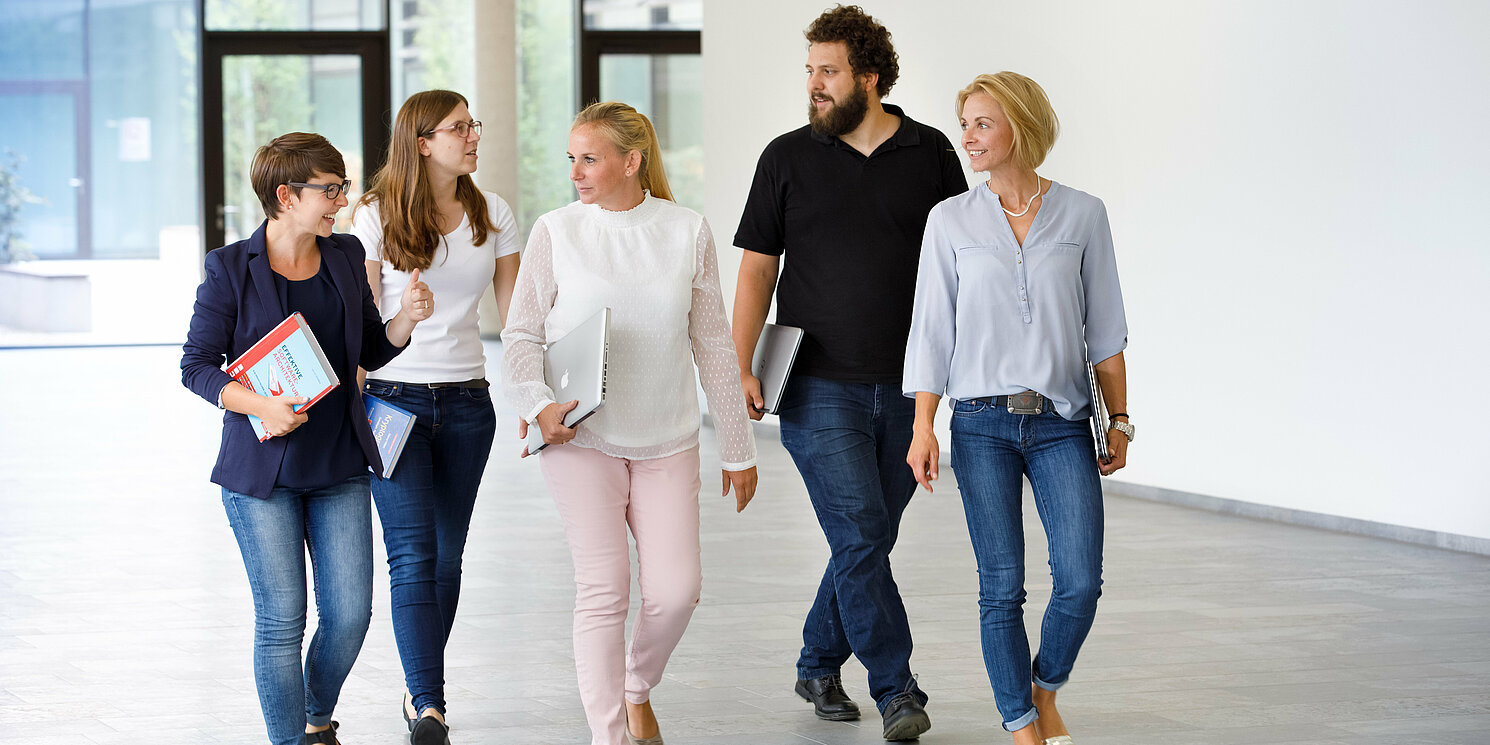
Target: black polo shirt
x=849 y=228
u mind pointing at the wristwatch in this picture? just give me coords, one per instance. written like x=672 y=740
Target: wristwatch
x=1121 y=426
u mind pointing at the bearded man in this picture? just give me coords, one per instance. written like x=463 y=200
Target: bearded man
x=844 y=200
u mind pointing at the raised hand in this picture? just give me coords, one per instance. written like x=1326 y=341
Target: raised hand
x=418 y=302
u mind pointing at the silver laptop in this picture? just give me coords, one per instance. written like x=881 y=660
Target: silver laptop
x=774 y=354
x=574 y=368
x=1099 y=416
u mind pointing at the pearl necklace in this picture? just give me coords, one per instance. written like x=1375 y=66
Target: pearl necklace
x=1026 y=204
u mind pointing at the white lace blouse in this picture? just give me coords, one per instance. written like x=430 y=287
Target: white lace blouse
x=655 y=267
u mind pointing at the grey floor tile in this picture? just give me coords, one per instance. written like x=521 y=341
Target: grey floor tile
x=124 y=610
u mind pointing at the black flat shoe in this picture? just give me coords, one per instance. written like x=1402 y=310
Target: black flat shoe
x=429 y=731
x=829 y=700
x=324 y=737
x=905 y=718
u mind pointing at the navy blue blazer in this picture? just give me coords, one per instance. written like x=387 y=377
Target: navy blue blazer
x=237 y=304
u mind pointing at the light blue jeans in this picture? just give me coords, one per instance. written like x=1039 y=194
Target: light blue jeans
x=992 y=452
x=335 y=524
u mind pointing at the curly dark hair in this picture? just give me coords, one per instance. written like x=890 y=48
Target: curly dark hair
x=868 y=42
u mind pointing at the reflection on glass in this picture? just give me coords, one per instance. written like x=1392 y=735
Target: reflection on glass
x=42 y=39
x=41 y=160
x=668 y=88
x=295 y=15
x=644 y=15
x=265 y=96
x=98 y=100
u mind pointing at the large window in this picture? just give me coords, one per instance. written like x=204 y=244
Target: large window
x=647 y=53
x=98 y=117
x=545 y=107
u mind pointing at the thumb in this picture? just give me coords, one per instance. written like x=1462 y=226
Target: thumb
x=566 y=408
x=414 y=278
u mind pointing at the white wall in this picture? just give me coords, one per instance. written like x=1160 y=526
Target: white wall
x=1297 y=191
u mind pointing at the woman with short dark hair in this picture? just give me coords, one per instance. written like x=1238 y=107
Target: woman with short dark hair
x=307 y=486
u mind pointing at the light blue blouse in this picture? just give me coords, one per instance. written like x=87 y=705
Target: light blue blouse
x=993 y=317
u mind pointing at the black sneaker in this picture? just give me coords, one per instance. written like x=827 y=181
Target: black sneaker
x=905 y=718
x=829 y=700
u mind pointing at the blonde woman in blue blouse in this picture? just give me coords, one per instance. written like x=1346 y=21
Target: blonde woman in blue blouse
x=1017 y=289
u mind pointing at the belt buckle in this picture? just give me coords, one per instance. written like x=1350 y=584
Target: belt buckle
x=1028 y=402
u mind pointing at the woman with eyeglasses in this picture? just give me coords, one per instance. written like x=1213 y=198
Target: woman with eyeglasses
x=423 y=214
x=306 y=487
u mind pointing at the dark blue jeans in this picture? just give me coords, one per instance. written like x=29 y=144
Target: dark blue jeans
x=335 y=524
x=992 y=452
x=426 y=511
x=849 y=442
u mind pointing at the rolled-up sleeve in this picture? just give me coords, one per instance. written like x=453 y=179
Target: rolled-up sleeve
x=928 y=353
x=1106 y=325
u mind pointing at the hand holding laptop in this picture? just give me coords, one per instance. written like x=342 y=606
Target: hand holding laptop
x=550 y=425
x=755 y=403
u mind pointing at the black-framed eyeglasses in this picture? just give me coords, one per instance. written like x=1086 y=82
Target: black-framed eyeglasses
x=332 y=191
x=461 y=129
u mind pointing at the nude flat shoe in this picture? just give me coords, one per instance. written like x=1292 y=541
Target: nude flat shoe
x=1059 y=740
x=634 y=740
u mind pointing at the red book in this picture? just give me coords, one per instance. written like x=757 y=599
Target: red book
x=288 y=361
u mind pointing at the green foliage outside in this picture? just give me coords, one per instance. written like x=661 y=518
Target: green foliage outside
x=263 y=97
x=545 y=96
x=13 y=199
x=445 y=43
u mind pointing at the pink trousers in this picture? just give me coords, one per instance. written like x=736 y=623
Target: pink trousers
x=599 y=497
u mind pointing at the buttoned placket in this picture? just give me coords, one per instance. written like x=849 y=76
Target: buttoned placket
x=1021 y=275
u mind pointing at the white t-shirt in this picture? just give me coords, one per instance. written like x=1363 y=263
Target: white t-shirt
x=446 y=348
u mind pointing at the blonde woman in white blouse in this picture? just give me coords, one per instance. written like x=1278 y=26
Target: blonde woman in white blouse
x=635 y=463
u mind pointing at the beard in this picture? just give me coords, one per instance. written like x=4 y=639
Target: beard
x=842 y=117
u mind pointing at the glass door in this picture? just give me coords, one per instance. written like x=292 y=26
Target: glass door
x=265 y=96
x=668 y=89
x=259 y=85
x=44 y=159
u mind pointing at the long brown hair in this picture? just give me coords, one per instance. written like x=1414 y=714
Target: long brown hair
x=629 y=129
x=406 y=202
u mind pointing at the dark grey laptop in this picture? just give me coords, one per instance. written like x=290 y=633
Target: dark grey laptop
x=774 y=354
x=574 y=368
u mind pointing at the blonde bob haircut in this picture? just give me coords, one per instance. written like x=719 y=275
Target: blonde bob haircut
x=1035 y=125
x=629 y=129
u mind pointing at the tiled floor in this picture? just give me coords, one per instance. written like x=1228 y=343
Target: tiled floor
x=125 y=617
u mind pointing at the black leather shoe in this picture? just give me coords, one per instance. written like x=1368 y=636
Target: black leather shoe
x=905 y=718
x=324 y=737
x=829 y=700
x=406 y=708
x=429 y=731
